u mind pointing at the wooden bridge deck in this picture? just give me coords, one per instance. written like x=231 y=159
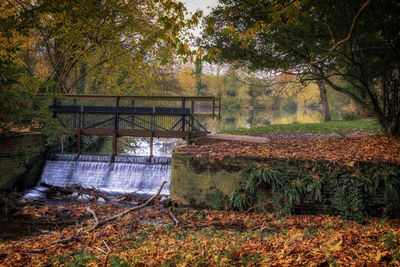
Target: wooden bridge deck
x=146 y=116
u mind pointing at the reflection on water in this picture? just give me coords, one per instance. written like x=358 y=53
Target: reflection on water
x=246 y=118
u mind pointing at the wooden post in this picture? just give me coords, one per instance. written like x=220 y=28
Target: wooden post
x=151 y=144
x=133 y=116
x=183 y=116
x=79 y=141
x=191 y=117
x=116 y=127
x=116 y=122
x=114 y=143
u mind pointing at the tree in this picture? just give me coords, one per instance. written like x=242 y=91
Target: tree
x=197 y=72
x=84 y=46
x=299 y=37
x=76 y=37
x=17 y=85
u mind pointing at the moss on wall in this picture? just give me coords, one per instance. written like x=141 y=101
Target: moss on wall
x=200 y=182
x=21 y=160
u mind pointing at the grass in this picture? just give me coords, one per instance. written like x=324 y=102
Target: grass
x=337 y=127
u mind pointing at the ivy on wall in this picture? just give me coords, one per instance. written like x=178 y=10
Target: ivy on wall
x=290 y=191
x=354 y=194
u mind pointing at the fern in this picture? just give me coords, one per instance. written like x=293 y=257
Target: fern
x=291 y=191
x=352 y=195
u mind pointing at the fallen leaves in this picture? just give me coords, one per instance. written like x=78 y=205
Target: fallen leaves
x=207 y=237
x=344 y=151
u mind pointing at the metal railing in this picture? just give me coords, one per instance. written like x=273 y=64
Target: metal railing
x=147 y=116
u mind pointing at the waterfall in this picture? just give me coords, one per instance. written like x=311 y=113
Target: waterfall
x=126 y=174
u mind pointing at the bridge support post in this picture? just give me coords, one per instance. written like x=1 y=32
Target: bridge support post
x=191 y=118
x=114 y=143
x=183 y=116
x=151 y=144
x=79 y=141
x=74 y=120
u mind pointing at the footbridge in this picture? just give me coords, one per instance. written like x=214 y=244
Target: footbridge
x=145 y=116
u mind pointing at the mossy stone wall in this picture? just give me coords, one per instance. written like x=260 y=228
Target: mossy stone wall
x=199 y=182
x=22 y=158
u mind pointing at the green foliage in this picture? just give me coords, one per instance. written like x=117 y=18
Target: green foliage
x=216 y=199
x=350 y=116
x=352 y=191
x=351 y=194
x=79 y=258
x=93 y=143
x=290 y=190
x=389 y=241
x=116 y=261
x=197 y=72
x=18 y=104
x=390 y=182
x=231 y=102
x=53 y=130
x=290 y=106
x=392 y=243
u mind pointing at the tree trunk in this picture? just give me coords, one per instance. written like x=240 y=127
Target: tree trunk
x=324 y=100
x=323 y=96
x=391 y=126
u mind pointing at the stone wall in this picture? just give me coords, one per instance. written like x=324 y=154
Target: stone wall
x=200 y=183
x=21 y=160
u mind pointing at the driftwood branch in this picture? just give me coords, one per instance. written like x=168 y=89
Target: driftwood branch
x=106 y=253
x=173 y=218
x=99 y=223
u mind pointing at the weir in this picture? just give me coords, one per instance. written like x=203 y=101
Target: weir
x=125 y=174
x=122 y=116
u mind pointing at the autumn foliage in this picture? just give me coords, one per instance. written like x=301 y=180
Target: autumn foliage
x=203 y=237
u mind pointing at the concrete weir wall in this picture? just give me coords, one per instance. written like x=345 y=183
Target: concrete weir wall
x=204 y=183
x=195 y=182
x=21 y=160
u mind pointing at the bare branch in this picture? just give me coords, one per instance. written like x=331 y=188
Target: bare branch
x=339 y=43
x=99 y=223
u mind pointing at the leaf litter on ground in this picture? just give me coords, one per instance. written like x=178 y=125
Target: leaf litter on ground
x=343 y=151
x=206 y=238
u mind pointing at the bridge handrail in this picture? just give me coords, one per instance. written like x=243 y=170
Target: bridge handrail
x=215 y=102
x=136 y=97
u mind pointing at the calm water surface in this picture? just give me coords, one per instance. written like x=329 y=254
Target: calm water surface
x=246 y=118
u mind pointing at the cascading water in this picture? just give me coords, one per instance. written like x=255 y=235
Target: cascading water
x=126 y=174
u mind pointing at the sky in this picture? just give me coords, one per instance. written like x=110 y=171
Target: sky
x=193 y=5
x=204 y=5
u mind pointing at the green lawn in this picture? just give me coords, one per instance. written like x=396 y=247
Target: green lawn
x=338 y=127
